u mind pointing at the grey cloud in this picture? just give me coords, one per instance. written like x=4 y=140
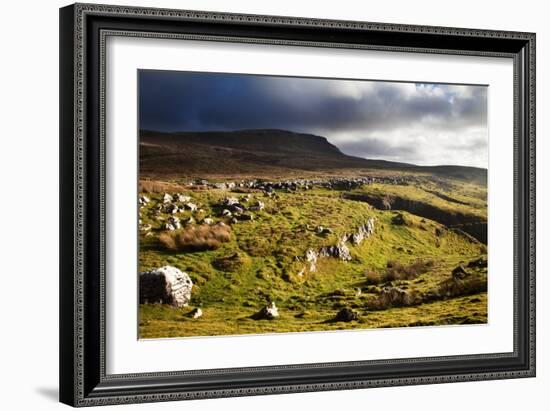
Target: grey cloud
x=384 y=118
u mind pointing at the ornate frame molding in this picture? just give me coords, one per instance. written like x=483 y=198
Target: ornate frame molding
x=82 y=387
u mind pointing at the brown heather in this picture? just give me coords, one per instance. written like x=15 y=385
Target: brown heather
x=198 y=238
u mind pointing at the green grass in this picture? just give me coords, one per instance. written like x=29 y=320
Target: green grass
x=451 y=195
x=259 y=264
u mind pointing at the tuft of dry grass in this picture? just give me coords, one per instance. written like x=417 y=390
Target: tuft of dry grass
x=397 y=271
x=198 y=238
x=373 y=277
x=154 y=186
x=452 y=288
x=393 y=297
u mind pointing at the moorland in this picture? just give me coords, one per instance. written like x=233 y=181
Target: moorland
x=261 y=218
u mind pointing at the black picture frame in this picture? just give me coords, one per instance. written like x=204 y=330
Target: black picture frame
x=83 y=29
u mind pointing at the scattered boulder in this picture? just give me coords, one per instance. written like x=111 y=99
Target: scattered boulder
x=259 y=206
x=230 y=201
x=237 y=209
x=144 y=200
x=167 y=198
x=167 y=285
x=346 y=315
x=182 y=198
x=208 y=221
x=171 y=209
x=226 y=213
x=175 y=222
x=269 y=312
x=195 y=313
x=191 y=206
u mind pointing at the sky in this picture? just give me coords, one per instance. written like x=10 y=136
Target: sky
x=418 y=123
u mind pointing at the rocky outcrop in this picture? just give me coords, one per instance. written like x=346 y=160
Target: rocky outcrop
x=167 y=285
x=311 y=258
x=340 y=251
x=363 y=231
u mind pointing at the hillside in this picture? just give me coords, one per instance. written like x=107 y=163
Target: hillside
x=264 y=218
x=398 y=273
x=278 y=153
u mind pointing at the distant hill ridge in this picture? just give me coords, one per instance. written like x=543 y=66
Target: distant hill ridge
x=165 y=151
x=266 y=140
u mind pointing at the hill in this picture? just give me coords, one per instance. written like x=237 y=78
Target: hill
x=264 y=152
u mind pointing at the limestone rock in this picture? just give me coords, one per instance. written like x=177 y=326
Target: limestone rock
x=230 y=201
x=339 y=250
x=182 y=198
x=167 y=285
x=196 y=313
x=311 y=258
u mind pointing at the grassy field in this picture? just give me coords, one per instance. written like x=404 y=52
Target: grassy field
x=264 y=260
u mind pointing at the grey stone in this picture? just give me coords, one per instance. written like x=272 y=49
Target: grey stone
x=167 y=285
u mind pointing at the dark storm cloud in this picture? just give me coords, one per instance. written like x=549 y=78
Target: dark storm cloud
x=363 y=118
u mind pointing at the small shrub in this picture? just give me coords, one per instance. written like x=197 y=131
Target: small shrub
x=394 y=297
x=373 y=277
x=397 y=271
x=199 y=238
x=399 y=219
x=469 y=286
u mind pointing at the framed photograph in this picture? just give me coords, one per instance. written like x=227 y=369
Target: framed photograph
x=261 y=204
